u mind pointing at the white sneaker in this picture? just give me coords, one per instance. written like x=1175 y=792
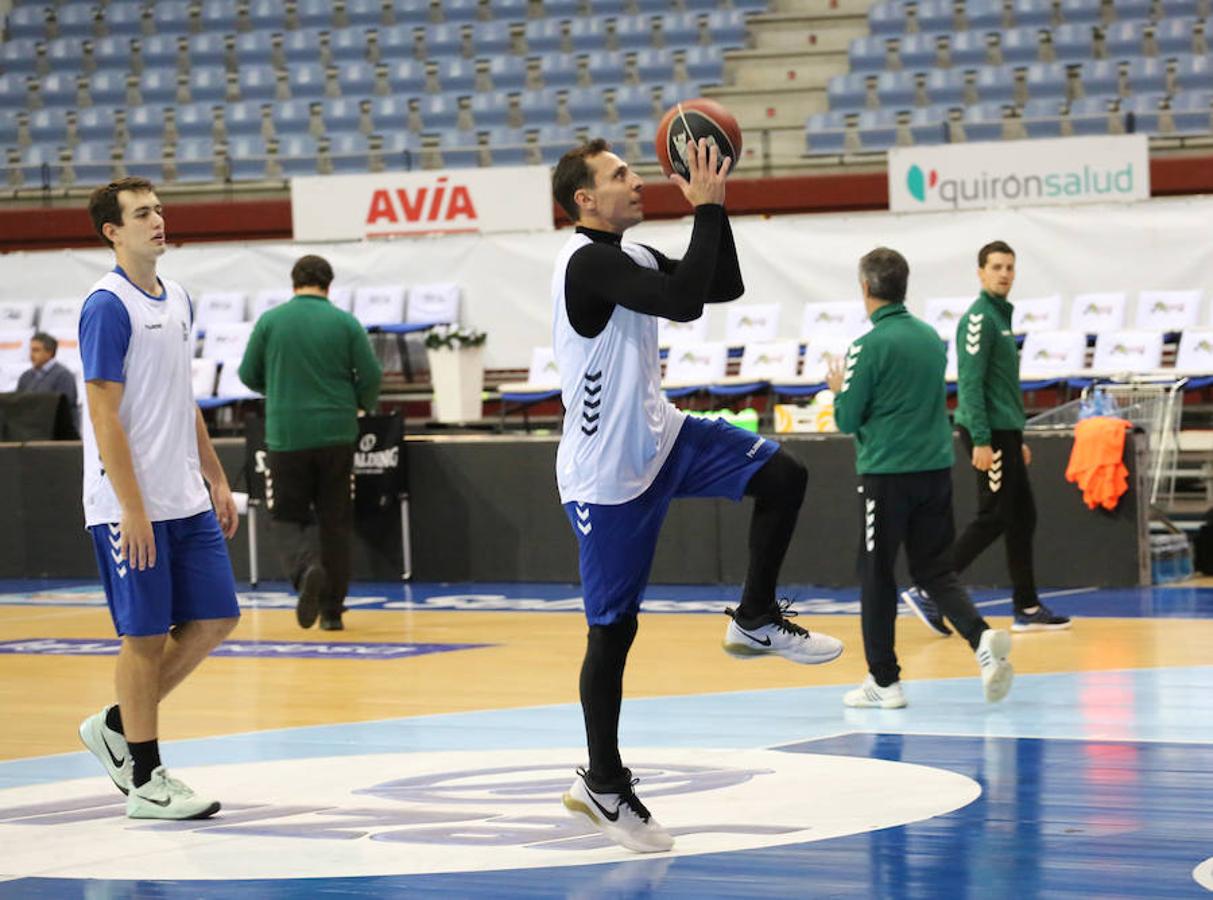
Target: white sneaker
x=872 y=696
x=167 y=798
x=776 y=636
x=110 y=747
x=619 y=815
x=996 y=672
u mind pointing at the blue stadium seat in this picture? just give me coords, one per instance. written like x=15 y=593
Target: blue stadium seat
x=1047 y=81
x=1020 y=45
x=111 y=53
x=399 y=150
x=507 y=146
x=19 y=56
x=411 y=12
x=1192 y=112
x=928 y=125
x=1100 y=78
x=460 y=11
x=1172 y=8
x=634 y=104
x=877 y=129
x=554 y=141
x=1073 y=43
x=267 y=16
x=357 y=78
x=983 y=122
x=1042 y=118
x=395 y=42
x=508 y=10
x=243 y=119
x=341 y=114
x=1143 y=112
x=257 y=82
x=679 y=92
x=607 y=7
x=634 y=32
x=144 y=123
x=491 y=109
x=1125 y=39
x=679 y=29
x=93 y=162
x=491 y=38
x=161 y=51
x=437 y=112
x=969 y=48
x=706 y=6
x=606 y=67
x=460 y=149
x=508 y=73
x=48 y=126
x=144 y=159
x=14 y=91
x=406 y=76
x=77 y=20
x=95 y=124
x=123 y=18
x=655 y=65
x=208 y=84
x=539 y=107
x=1147 y=75
x=826 y=133
x=349 y=153
x=1175 y=36
x=64 y=54
x=847 y=92
x=302 y=46
x=58 y=89
x=27 y=22
x=218 y=16
x=457 y=75
x=194 y=159
x=727 y=28
x=996 y=84
x=442 y=40
x=868 y=54
x=195 y=120
x=348 y=45
x=207 y=49
x=297 y=155
x=1037 y=13
x=887 y=17
x=561 y=9
x=1082 y=12
x=364 y=13
x=171 y=17
x=704 y=64
x=292 y=117
x=588 y=33
x=389 y=114
x=307 y=80
x=936 y=16
x=1091 y=115
x=1194 y=73
x=558 y=69
x=586 y=104
x=945 y=87
x=1129 y=10
x=314 y=13
x=919 y=52
x=896 y=90
x=246 y=158
x=41 y=165
x=108 y=88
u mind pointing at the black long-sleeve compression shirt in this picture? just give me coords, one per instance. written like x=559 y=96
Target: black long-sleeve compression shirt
x=600 y=276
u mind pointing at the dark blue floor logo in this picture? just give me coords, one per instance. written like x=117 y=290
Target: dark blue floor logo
x=263 y=649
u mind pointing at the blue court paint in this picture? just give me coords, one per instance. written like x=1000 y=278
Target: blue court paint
x=243 y=649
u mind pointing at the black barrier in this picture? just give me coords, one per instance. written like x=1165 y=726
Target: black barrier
x=36 y=417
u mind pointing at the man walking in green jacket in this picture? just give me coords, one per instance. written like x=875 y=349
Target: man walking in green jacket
x=990 y=418
x=890 y=393
x=316 y=368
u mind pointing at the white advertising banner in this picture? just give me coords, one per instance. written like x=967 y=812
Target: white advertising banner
x=405 y=204
x=1064 y=171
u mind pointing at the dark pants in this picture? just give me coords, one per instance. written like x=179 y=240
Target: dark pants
x=1005 y=506
x=319 y=479
x=914 y=508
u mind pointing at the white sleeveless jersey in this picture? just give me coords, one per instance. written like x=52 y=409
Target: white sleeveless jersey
x=618 y=426
x=157 y=411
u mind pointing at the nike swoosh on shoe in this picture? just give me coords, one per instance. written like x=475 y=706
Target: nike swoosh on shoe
x=765 y=642
x=611 y=816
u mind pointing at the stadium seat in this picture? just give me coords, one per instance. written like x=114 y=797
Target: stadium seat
x=218 y=16
x=460 y=11
x=877 y=129
x=442 y=40
x=389 y=114
x=508 y=73
x=490 y=109
x=226 y=339
x=634 y=32
x=161 y=51
x=588 y=33
x=1073 y=43
x=1192 y=112
x=918 y=52
x=1051 y=355
x=145 y=122
x=341 y=114
x=896 y=90
x=64 y=55
x=1081 y=12
x=606 y=67
x=983 y=122
x=19 y=57
x=356 y=78
x=108 y=88
x=246 y=158
x=704 y=64
x=944 y=314
x=1020 y=45
x=928 y=125
x=491 y=39
x=257 y=82
x=397 y=150
x=935 y=16
x=395 y=42
x=457 y=75
x=848 y=92
x=868 y=54
x=1176 y=36
x=314 y=13
x=14 y=91
x=1194 y=73
x=307 y=81
x=654 y=65
x=1092 y=115
x=679 y=29
x=762 y=363
x=292 y=117
x=1195 y=353
x=1173 y=8
x=945 y=87
x=460 y=149
x=58 y=89
x=1099 y=78
x=984 y=15
x=349 y=153
x=268 y=15
x=887 y=18
x=542 y=383
x=41 y=165
x=297 y=155
x=244 y=119
x=1144 y=113
x=1127 y=352
x=206 y=85
x=207 y=49
x=509 y=10
x=76 y=20
x=539 y=107
x=507 y=146
x=406 y=77
x=634 y=103
x=92 y=162
x=254 y=48
x=1147 y=76
x=544 y=35
x=996 y=84
x=726 y=29
x=968 y=49
x=348 y=45
x=437 y=112
x=144 y=159
x=124 y=18
x=1098 y=312
x=1043 y=117
x=194 y=159
x=301 y=47
x=1047 y=81
x=1129 y=10
x=554 y=141
x=586 y=104
x=1038 y=13
x=94 y=124
x=671 y=333
x=27 y=22
x=1168 y=311
x=49 y=126
x=171 y=17
x=1125 y=39
x=411 y=12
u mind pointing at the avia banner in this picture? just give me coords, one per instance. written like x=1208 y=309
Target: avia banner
x=403 y=204
x=1063 y=171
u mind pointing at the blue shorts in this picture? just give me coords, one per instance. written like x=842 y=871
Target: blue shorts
x=192 y=578
x=616 y=543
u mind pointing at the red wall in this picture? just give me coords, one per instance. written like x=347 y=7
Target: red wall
x=39 y=228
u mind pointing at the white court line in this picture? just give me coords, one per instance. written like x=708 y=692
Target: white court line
x=1050 y=594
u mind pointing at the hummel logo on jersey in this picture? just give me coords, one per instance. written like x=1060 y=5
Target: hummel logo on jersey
x=754 y=449
x=150 y=327
x=589 y=425
x=611 y=816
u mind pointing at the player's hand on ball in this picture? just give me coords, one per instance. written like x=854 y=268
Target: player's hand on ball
x=708 y=174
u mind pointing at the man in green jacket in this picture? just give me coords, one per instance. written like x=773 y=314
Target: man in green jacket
x=890 y=393
x=990 y=417
x=316 y=368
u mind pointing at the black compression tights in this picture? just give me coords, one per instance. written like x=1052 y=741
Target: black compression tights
x=606 y=653
x=778 y=490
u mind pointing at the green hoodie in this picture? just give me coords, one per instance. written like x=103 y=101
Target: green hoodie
x=894 y=397
x=316 y=368
x=989 y=395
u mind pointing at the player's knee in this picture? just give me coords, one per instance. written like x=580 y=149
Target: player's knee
x=614 y=639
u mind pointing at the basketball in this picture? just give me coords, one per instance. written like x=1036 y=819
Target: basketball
x=690 y=121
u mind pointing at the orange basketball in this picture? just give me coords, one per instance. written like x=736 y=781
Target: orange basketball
x=689 y=121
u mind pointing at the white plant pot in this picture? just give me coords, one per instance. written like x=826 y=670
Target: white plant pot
x=457 y=377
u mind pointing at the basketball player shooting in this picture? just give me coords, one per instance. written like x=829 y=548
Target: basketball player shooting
x=626 y=451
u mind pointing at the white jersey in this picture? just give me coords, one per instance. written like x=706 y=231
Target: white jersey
x=618 y=426
x=157 y=411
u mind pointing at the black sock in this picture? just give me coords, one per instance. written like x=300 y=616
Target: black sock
x=606 y=653
x=778 y=490
x=113 y=719
x=145 y=757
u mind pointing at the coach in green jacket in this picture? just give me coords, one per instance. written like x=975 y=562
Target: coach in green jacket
x=890 y=393
x=316 y=368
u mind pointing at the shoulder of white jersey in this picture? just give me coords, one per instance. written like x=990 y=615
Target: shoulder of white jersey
x=639 y=252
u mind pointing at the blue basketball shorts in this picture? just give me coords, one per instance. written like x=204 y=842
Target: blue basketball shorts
x=192 y=578
x=616 y=543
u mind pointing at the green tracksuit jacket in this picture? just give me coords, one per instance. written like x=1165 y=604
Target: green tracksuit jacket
x=989 y=395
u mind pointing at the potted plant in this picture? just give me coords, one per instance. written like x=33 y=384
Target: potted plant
x=456 y=362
